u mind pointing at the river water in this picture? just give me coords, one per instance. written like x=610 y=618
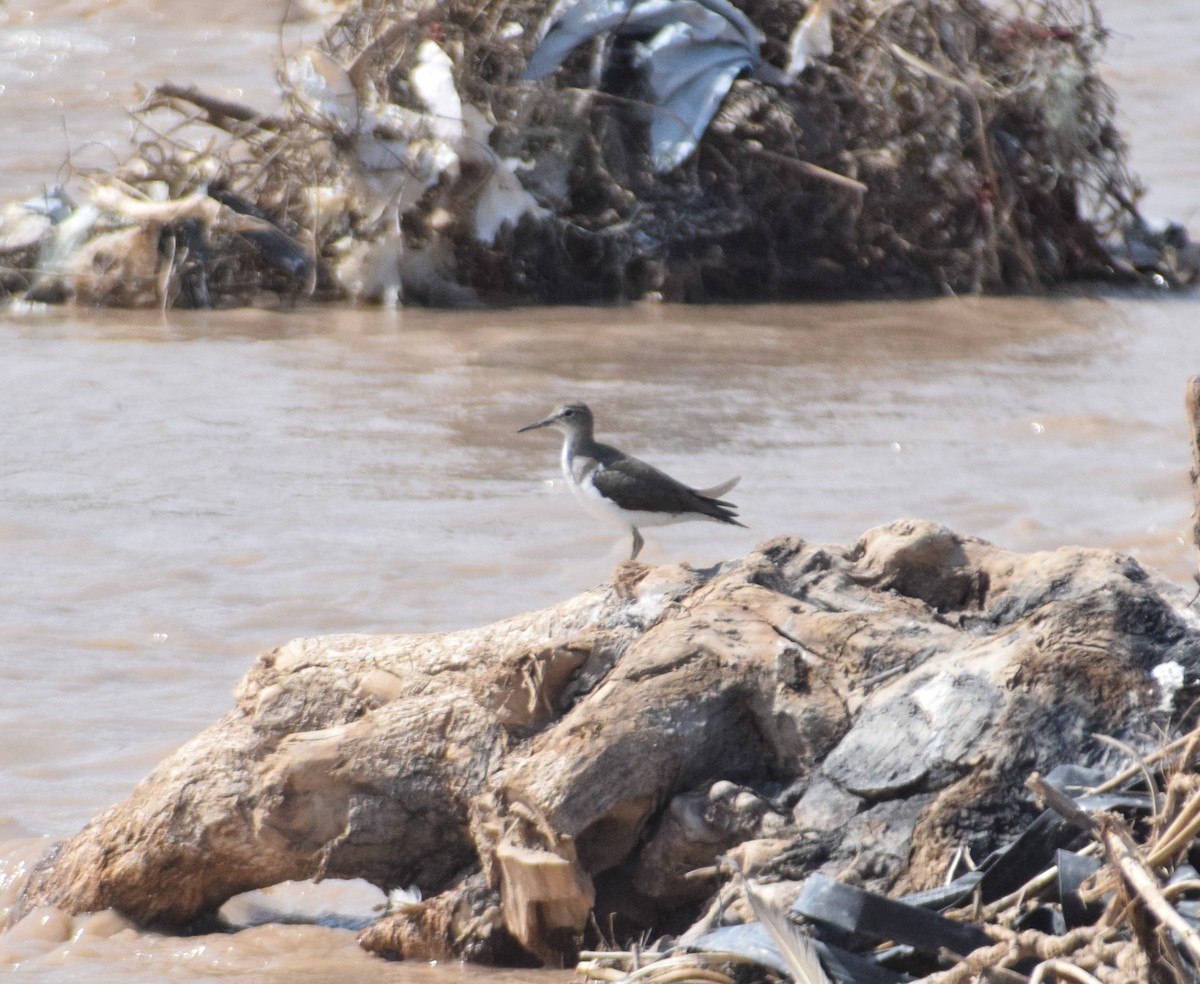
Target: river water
x=180 y=491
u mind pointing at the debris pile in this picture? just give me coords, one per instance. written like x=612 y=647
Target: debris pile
x=462 y=153
x=861 y=714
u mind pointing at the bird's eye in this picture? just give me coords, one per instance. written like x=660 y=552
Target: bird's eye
x=568 y=413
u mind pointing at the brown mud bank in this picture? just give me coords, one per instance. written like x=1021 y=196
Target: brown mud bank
x=862 y=713
x=462 y=153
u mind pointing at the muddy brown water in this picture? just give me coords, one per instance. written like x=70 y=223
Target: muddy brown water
x=181 y=491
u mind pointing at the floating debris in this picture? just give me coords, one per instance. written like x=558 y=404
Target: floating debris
x=690 y=51
x=812 y=38
x=607 y=150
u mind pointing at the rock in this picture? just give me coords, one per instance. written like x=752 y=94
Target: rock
x=825 y=807
x=860 y=711
x=934 y=728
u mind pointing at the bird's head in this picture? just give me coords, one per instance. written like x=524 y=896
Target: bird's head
x=570 y=418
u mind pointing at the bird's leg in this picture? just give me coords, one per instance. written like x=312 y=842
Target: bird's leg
x=638 y=543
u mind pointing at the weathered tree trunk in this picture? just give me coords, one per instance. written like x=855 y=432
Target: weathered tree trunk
x=826 y=709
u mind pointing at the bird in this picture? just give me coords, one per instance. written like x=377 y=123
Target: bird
x=625 y=491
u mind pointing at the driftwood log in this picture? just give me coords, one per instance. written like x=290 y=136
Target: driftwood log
x=861 y=712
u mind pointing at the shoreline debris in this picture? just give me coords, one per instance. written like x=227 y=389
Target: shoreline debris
x=610 y=150
x=1101 y=886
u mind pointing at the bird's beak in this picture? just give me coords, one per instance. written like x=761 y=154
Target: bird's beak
x=541 y=423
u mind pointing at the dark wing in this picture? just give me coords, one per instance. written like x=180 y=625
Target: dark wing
x=633 y=484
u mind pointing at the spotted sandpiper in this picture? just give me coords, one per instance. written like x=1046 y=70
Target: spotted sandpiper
x=624 y=491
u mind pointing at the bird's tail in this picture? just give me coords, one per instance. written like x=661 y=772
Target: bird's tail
x=718 y=508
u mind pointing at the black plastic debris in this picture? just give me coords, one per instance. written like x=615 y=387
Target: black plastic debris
x=860 y=913
x=948 y=896
x=862 y=937
x=1073 y=871
x=1046 y=919
x=1189 y=908
x=753 y=941
x=1034 y=851
x=1029 y=855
